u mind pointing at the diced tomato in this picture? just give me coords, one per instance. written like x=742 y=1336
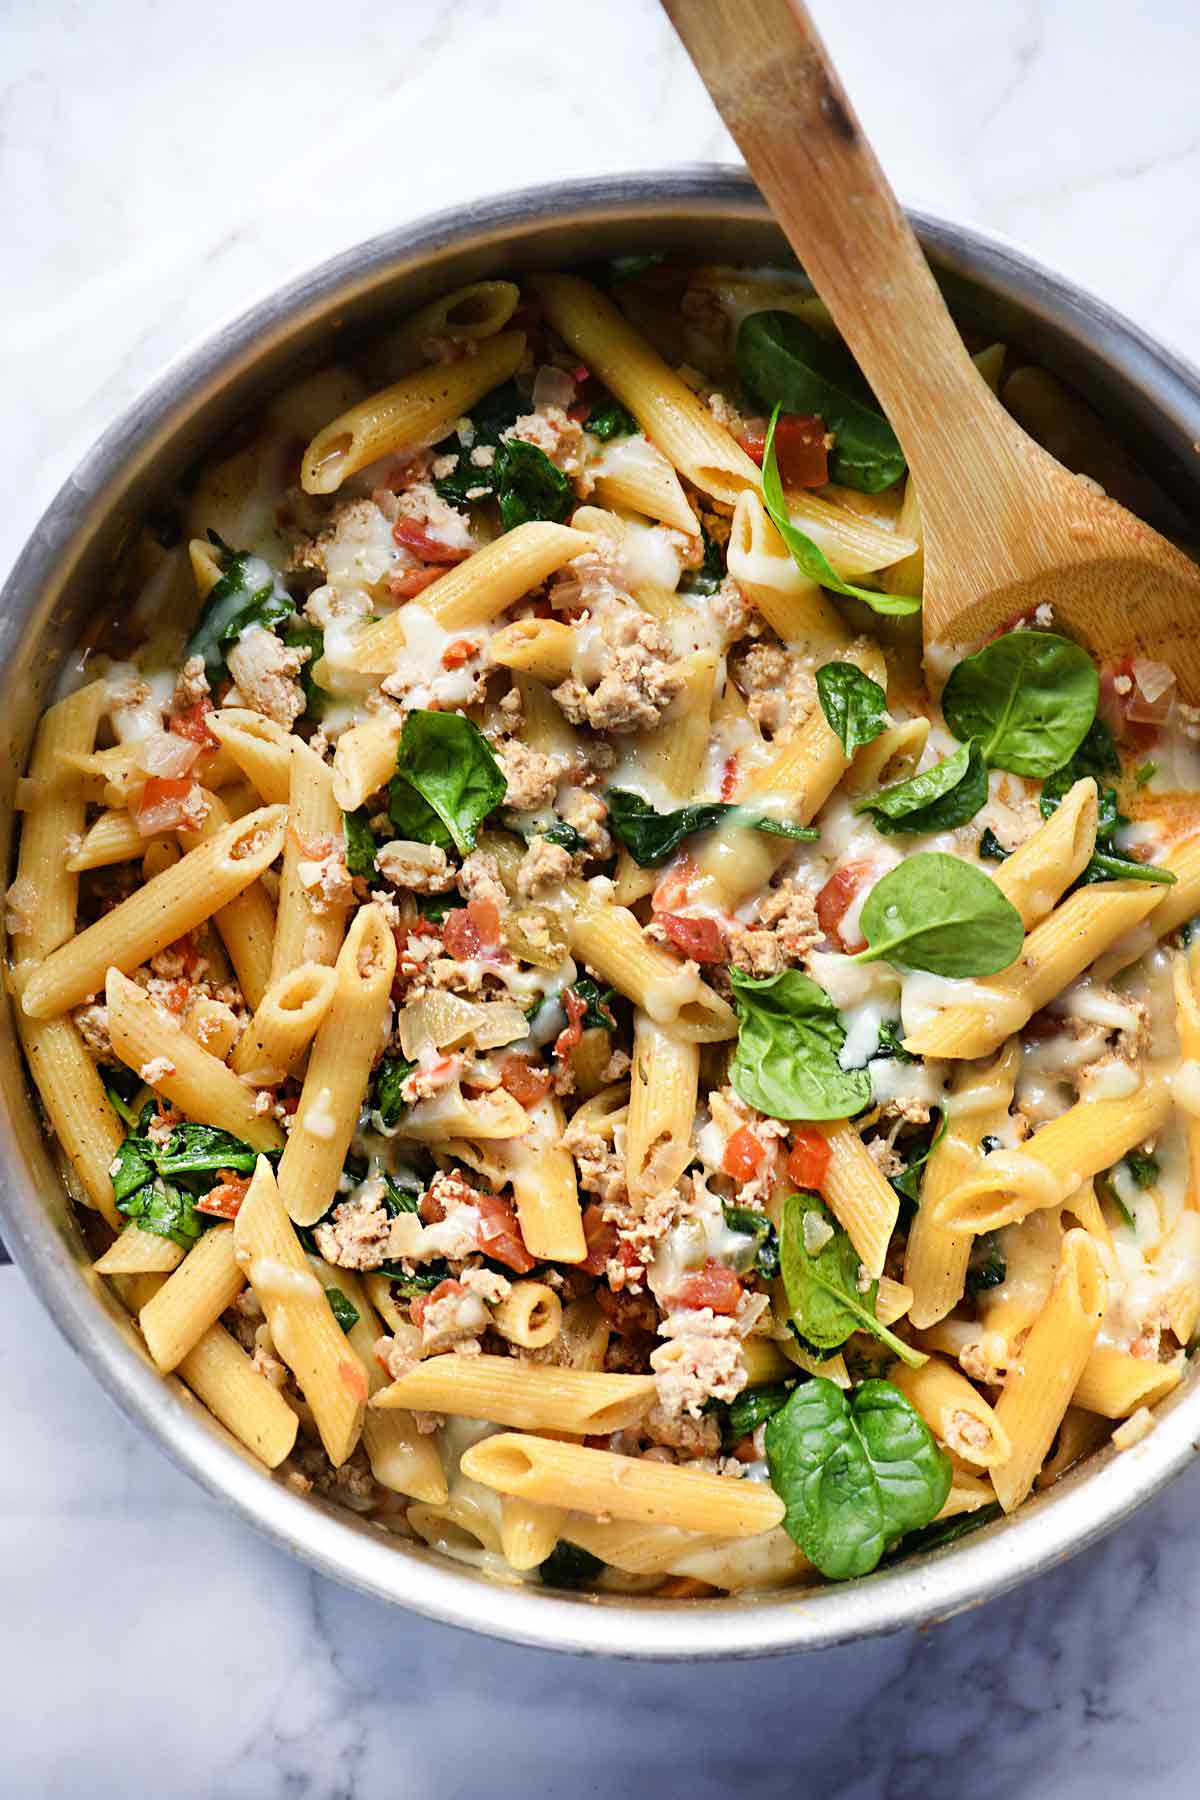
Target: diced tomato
x=178 y=995
x=833 y=901
x=600 y=1236
x=524 y=1080
x=222 y=1202
x=570 y=1036
x=459 y=652
x=714 y=1285
x=801 y=451
x=442 y=1291
x=701 y=939
x=672 y=890
x=193 y=723
x=185 y=949
x=580 y=412
x=743 y=1154
x=809 y=1160
x=579 y=374
x=422 y=543
x=500 y=1234
x=754 y=440
x=406 y=584
x=165 y=805
x=729 y=777
x=471 y=930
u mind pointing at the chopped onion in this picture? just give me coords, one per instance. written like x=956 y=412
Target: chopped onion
x=552 y=387
x=440 y=1019
x=167 y=753
x=1153 y=678
x=501 y=1023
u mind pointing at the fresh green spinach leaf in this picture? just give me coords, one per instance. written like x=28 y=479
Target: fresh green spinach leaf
x=447 y=781
x=360 y=844
x=947 y=1531
x=990 y=848
x=132 y=1167
x=889 y=1043
x=342 y=1308
x=854 y=1473
x=1029 y=697
x=598 y=1014
x=939 y=799
x=790 y=1035
x=855 y=707
x=762 y=1254
x=299 y=634
x=708 y=577
x=123 y=1087
x=942 y=915
x=166 y=1210
x=397 y=1199
x=822 y=1288
x=784 y=363
x=248 y=593
x=202 y=1150
x=609 y=419
x=390 y=1077
x=908 y=1182
x=808 y=557
x=528 y=486
x=652 y=837
x=567 y=1566
x=987 y=1267
x=753 y=1407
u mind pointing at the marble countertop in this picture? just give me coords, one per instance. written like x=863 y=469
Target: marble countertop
x=160 y=166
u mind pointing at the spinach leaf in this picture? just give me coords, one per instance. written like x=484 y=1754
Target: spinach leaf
x=947 y=1531
x=854 y=1473
x=763 y=1252
x=808 y=557
x=203 y=1149
x=390 y=1077
x=528 y=486
x=652 y=837
x=248 y=593
x=711 y=573
x=492 y=415
x=1145 y=774
x=784 y=363
x=990 y=848
x=598 y=1014
x=300 y=635
x=132 y=1167
x=1029 y=697
x=888 y=1044
x=436 y=906
x=822 y=1284
x=565 y=836
x=790 y=1035
x=1097 y=756
x=123 y=1087
x=166 y=1210
x=753 y=1407
x=446 y=783
x=908 y=1182
x=1144 y=1169
x=360 y=844
x=397 y=1199
x=567 y=1566
x=609 y=419
x=939 y=799
x=937 y=913
x=342 y=1308
x=986 y=1267
x=855 y=707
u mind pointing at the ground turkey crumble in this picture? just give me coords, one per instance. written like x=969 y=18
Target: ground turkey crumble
x=420 y=868
x=701 y=1360
x=265 y=672
x=543 y=868
x=532 y=775
x=784 y=932
x=639 y=682
x=356 y=1237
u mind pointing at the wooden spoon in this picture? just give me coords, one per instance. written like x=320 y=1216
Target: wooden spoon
x=1005 y=526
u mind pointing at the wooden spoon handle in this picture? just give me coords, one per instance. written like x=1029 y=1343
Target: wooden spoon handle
x=773 y=83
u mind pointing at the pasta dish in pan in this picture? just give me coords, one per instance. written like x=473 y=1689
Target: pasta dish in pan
x=569 y=1042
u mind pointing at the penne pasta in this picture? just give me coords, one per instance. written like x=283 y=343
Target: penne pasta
x=529 y=1396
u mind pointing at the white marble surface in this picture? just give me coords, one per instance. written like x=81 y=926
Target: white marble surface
x=160 y=165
